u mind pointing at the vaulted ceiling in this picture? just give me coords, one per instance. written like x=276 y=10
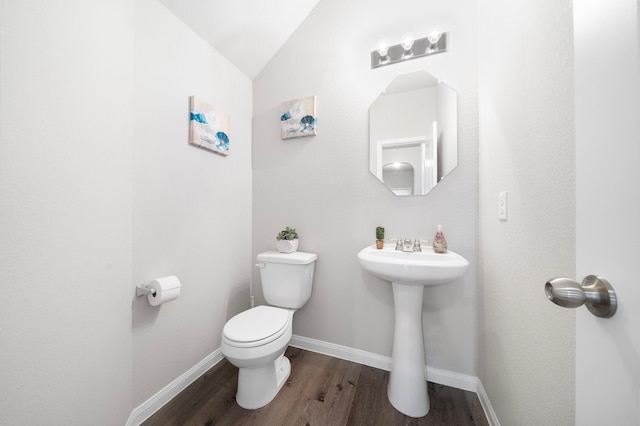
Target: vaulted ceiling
x=247 y=32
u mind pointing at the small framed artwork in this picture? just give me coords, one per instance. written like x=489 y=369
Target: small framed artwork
x=208 y=126
x=298 y=118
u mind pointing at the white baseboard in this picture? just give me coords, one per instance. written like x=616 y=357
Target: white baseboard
x=452 y=379
x=486 y=406
x=342 y=352
x=435 y=375
x=157 y=401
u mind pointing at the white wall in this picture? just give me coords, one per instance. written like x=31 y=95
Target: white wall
x=191 y=207
x=322 y=186
x=527 y=345
x=92 y=203
x=65 y=212
x=100 y=191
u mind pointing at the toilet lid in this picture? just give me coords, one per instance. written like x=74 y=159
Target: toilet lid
x=258 y=323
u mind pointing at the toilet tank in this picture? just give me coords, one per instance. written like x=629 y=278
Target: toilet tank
x=286 y=277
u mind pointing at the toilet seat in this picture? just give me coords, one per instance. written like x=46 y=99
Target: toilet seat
x=257 y=326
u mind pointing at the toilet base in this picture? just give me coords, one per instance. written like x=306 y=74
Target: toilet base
x=258 y=386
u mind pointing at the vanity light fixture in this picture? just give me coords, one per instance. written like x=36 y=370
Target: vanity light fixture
x=409 y=48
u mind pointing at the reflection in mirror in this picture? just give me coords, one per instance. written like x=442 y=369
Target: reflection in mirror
x=413 y=133
x=399 y=177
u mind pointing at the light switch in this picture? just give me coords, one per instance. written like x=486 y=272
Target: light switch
x=502 y=205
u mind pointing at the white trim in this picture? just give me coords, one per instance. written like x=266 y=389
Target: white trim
x=166 y=394
x=452 y=379
x=486 y=406
x=433 y=374
x=397 y=142
x=342 y=352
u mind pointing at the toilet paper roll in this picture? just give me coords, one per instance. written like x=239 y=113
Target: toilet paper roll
x=166 y=289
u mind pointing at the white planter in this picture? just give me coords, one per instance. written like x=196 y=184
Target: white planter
x=287 y=246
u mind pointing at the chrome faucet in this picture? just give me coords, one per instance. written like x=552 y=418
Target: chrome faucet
x=406 y=245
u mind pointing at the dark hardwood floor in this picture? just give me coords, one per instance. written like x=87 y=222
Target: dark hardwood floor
x=321 y=390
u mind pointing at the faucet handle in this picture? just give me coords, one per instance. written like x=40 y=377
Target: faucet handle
x=416 y=245
x=398 y=243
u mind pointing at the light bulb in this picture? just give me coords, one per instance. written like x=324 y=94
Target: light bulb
x=434 y=38
x=383 y=48
x=407 y=41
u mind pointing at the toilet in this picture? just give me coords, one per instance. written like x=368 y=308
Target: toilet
x=255 y=340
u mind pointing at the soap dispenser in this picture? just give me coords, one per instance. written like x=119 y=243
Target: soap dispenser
x=439 y=242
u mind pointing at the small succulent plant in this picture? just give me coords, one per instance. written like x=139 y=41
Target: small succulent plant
x=287 y=234
x=379 y=233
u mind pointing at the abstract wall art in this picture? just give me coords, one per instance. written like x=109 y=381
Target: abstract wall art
x=298 y=118
x=208 y=127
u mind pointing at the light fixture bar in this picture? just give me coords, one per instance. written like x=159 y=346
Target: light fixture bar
x=421 y=47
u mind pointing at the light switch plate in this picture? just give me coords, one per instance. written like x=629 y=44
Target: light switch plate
x=502 y=205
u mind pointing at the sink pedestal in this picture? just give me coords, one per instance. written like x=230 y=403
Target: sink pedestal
x=407 y=389
x=409 y=273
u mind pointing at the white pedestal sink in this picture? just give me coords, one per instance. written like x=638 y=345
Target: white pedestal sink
x=409 y=273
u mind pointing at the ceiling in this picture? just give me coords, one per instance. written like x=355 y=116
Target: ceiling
x=247 y=32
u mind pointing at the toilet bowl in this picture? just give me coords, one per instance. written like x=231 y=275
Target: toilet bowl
x=255 y=340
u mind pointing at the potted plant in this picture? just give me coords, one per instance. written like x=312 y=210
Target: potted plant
x=379 y=237
x=287 y=240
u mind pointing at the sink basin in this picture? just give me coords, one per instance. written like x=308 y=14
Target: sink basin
x=409 y=273
x=419 y=268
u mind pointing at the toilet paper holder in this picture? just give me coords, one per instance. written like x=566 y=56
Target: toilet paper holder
x=141 y=290
x=160 y=290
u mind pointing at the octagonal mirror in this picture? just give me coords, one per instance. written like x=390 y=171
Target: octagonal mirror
x=413 y=133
